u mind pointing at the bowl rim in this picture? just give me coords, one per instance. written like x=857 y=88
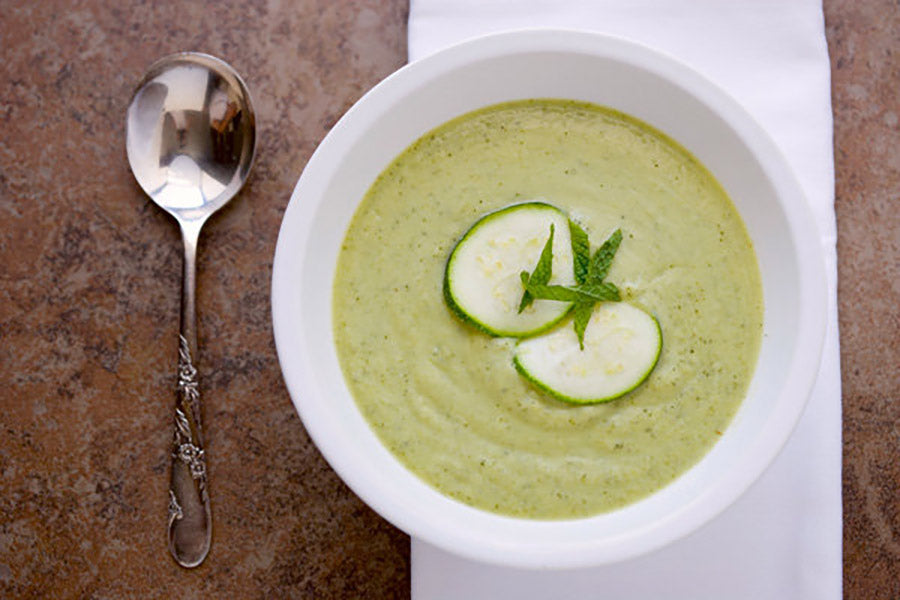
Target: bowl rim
x=799 y=220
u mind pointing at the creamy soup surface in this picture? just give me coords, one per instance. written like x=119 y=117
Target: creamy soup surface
x=445 y=399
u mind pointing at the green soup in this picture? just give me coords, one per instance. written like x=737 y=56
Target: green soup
x=445 y=398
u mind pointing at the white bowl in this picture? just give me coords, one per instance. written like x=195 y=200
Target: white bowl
x=542 y=64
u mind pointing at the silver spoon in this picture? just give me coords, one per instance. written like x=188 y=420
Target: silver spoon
x=190 y=138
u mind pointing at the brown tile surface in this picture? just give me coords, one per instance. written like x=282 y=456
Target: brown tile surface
x=89 y=302
x=864 y=40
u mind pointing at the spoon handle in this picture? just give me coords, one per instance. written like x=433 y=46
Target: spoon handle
x=190 y=520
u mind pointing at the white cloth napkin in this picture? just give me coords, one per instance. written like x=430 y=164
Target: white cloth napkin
x=782 y=540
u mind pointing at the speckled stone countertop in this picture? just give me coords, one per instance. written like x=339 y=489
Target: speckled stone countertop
x=90 y=273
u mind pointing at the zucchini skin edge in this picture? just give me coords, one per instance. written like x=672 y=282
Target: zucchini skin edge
x=448 y=294
x=585 y=402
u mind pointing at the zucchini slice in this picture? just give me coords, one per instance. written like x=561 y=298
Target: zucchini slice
x=622 y=344
x=482 y=283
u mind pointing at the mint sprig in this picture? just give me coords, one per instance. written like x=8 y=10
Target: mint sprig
x=589 y=271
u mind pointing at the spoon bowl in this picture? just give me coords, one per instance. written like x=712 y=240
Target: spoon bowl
x=190 y=134
x=190 y=138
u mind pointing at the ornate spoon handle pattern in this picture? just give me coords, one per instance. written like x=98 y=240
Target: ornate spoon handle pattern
x=190 y=520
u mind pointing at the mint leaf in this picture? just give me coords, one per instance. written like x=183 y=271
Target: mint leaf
x=527 y=298
x=560 y=293
x=581 y=251
x=544 y=268
x=599 y=292
x=542 y=271
x=602 y=292
x=582 y=312
x=603 y=257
